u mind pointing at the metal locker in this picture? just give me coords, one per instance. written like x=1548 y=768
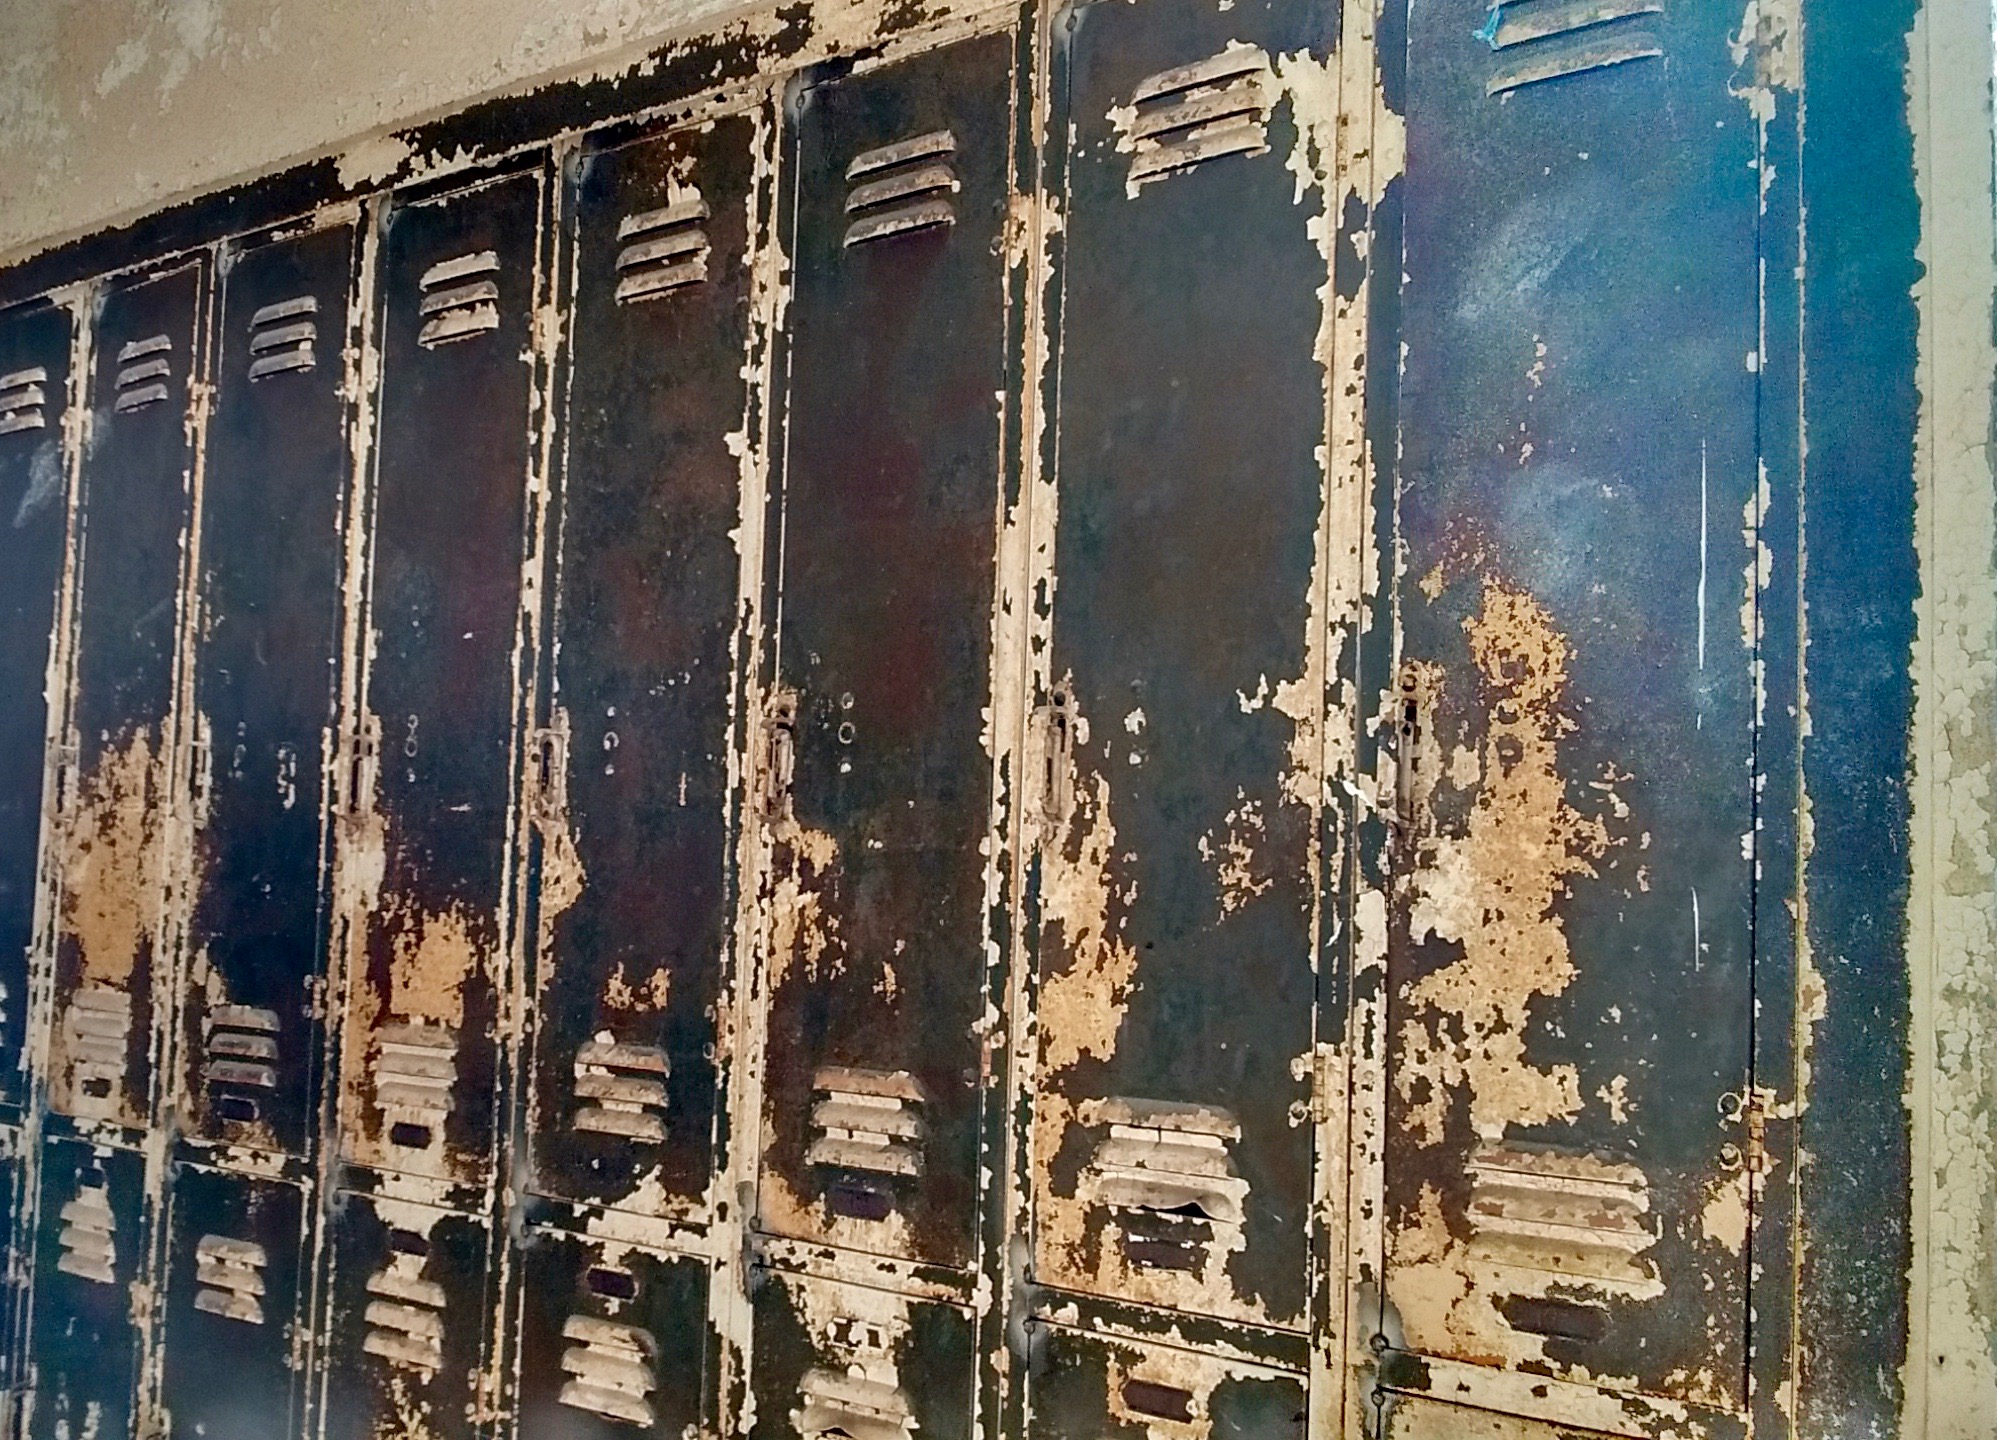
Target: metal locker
x=849 y=1362
x=90 y=1274
x=1571 y=1122
x=265 y=688
x=34 y=506
x=611 y=1340
x=113 y=835
x=410 y=1318
x=635 y=894
x=877 y=788
x=422 y=868
x=1093 y=1385
x=1183 y=728
x=233 y=1350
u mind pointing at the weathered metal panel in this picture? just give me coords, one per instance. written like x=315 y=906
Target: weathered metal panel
x=410 y=1317
x=1571 y=1118
x=1081 y=1384
x=90 y=1267
x=114 y=838
x=636 y=872
x=1183 y=731
x=876 y=769
x=834 y=1359
x=265 y=690
x=1409 y=1419
x=34 y=512
x=422 y=869
x=233 y=1352
x=611 y=1340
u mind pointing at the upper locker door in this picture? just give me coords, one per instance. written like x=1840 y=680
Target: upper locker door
x=423 y=860
x=34 y=512
x=1182 y=818
x=878 y=770
x=114 y=839
x=635 y=897
x=265 y=673
x=1570 y=981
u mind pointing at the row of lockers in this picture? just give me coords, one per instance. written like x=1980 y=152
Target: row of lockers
x=791 y=763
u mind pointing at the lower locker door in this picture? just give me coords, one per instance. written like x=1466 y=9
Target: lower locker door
x=847 y=1362
x=1089 y=1387
x=90 y=1264
x=406 y=1340
x=612 y=1340
x=230 y=1371
x=1571 y=995
x=878 y=794
x=1429 y=1420
x=1183 y=821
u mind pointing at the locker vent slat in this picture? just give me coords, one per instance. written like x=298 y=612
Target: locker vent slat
x=853 y=1403
x=416 y=1067
x=621 y=1090
x=1188 y=115
x=902 y=187
x=404 y=1320
x=284 y=336
x=612 y=1370
x=867 y=1121
x=1574 y=1216
x=88 y=1250
x=23 y=399
x=240 y=1056
x=663 y=250
x=460 y=298
x=1166 y=1175
x=230 y=1274
x=96 y=1029
x=144 y=367
x=1540 y=40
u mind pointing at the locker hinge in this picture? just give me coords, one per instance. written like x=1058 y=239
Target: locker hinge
x=1322 y=1070
x=779 y=755
x=1752 y=1113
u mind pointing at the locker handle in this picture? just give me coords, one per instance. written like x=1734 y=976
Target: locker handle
x=1057 y=756
x=366 y=756
x=779 y=754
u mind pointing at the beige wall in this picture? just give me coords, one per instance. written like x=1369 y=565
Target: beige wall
x=109 y=107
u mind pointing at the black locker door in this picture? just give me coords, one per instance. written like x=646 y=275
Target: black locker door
x=878 y=789
x=113 y=837
x=34 y=515
x=1112 y=1389
x=1183 y=819
x=233 y=1352
x=1570 y=975
x=90 y=1269
x=408 y=1325
x=265 y=688
x=431 y=827
x=635 y=893
x=612 y=1340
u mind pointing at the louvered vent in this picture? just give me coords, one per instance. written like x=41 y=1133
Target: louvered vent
x=404 y=1321
x=96 y=1028
x=612 y=1369
x=859 y=1400
x=414 y=1073
x=144 y=366
x=663 y=250
x=241 y=1059
x=283 y=337
x=230 y=1274
x=1188 y=115
x=1165 y=1176
x=460 y=298
x=1564 y=1214
x=867 y=1130
x=901 y=187
x=622 y=1089
x=1538 y=40
x=23 y=399
x=88 y=1250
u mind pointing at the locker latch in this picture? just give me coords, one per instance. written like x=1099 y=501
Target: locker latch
x=364 y=756
x=1408 y=720
x=1057 y=755
x=779 y=754
x=550 y=769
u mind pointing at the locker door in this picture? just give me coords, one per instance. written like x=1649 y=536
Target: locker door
x=878 y=783
x=1570 y=977
x=611 y=1341
x=231 y=1344
x=406 y=1337
x=1081 y=1384
x=113 y=836
x=428 y=840
x=1183 y=821
x=635 y=915
x=264 y=688
x=90 y=1268
x=34 y=513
